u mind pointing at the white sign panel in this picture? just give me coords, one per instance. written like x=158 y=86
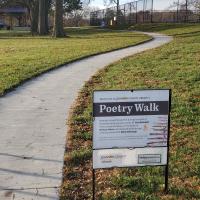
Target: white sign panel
x=109 y=158
x=131 y=119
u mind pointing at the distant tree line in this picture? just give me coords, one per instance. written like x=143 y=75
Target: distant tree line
x=39 y=13
x=194 y=4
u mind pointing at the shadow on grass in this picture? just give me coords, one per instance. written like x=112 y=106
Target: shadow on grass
x=79 y=33
x=71 y=37
x=70 y=31
x=87 y=30
x=106 y=36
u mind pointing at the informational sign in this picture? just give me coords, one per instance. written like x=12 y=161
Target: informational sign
x=130 y=128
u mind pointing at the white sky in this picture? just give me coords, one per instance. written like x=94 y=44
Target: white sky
x=158 y=4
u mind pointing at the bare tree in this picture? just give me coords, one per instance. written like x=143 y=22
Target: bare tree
x=194 y=3
x=116 y=2
x=80 y=16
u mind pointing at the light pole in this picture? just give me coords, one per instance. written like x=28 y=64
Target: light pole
x=152 y=11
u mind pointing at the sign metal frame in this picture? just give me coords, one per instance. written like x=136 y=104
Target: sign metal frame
x=166 y=166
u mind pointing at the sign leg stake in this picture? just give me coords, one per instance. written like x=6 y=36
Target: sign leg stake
x=93 y=184
x=166 y=178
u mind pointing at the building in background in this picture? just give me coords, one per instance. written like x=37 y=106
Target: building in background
x=14 y=17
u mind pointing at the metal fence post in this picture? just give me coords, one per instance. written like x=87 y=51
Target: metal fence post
x=152 y=11
x=143 y=9
x=136 y=13
x=177 y=12
x=186 y=10
x=130 y=4
x=125 y=13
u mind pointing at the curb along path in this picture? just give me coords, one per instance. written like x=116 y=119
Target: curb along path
x=33 y=125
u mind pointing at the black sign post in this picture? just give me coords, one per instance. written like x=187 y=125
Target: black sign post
x=93 y=184
x=168 y=141
x=147 y=113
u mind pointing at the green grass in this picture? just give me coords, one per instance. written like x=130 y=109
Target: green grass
x=23 y=56
x=168 y=28
x=80 y=156
x=176 y=66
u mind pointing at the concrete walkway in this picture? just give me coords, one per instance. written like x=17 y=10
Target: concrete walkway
x=33 y=130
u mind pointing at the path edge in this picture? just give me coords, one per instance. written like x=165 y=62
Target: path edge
x=15 y=87
x=68 y=140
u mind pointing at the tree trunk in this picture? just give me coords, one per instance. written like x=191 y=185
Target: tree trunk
x=42 y=28
x=58 y=19
x=48 y=5
x=34 y=11
x=118 y=13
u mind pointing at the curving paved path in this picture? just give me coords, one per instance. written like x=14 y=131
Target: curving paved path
x=33 y=130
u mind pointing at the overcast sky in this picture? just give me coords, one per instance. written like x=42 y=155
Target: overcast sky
x=158 y=4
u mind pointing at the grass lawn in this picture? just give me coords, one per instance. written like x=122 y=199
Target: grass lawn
x=176 y=66
x=23 y=56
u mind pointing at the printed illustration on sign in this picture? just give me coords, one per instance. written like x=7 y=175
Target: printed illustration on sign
x=159 y=131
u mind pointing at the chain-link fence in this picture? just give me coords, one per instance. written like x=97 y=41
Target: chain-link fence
x=143 y=11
